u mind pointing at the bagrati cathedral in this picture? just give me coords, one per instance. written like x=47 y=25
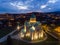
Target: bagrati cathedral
x=32 y=29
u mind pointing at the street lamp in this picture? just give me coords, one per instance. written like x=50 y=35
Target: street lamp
x=18 y=27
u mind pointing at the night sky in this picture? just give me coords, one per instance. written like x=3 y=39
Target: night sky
x=24 y=6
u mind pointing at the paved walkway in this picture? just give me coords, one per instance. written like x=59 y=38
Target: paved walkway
x=17 y=37
x=52 y=35
x=5 y=37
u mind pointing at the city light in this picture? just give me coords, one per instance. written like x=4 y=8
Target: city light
x=21 y=35
x=35 y=36
x=28 y=34
x=57 y=29
x=18 y=27
x=41 y=34
x=33 y=27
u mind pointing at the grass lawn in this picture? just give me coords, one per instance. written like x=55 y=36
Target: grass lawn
x=5 y=31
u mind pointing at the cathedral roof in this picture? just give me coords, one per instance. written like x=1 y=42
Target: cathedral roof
x=33 y=16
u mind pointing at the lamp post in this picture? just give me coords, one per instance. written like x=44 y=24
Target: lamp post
x=18 y=25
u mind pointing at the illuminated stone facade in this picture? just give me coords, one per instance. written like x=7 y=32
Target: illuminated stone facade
x=32 y=29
